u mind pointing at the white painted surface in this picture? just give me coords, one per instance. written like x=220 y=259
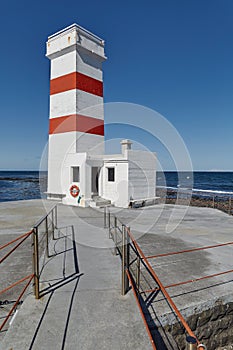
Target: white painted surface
x=74 y=50
x=71 y=37
x=85 y=165
x=135 y=177
x=59 y=146
x=89 y=104
x=63 y=104
x=63 y=65
x=142 y=174
x=74 y=61
x=76 y=102
x=116 y=191
x=89 y=65
x=92 y=144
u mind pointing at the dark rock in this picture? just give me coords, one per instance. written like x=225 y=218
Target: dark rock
x=192 y=322
x=218 y=312
x=204 y=318
x=177 y=329
x=205 y=333
x=181 y=342
x=229 y=308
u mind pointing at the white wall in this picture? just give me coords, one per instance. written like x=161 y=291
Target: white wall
x=116 y=191
x=74 y=160
x=63 y=65
x=69 y=37
x=74 y=50
x=85 y=184
x=59 y=146
x=142 y=174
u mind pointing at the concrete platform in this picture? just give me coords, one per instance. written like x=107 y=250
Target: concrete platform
x=82 y=307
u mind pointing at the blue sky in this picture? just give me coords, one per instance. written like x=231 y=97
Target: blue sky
x=174 y=56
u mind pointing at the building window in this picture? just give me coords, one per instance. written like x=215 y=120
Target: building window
x=75 y=174
x=111 y=174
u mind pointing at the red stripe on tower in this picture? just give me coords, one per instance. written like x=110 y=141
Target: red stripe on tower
x=76 y=122
x=76 y=80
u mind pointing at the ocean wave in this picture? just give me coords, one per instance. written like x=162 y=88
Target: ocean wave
x=19 y=179
x=196 y=190
x=212 y=191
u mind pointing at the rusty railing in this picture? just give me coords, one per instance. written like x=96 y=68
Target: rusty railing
x=135 y=267
x=19 y=241
x=42 y=232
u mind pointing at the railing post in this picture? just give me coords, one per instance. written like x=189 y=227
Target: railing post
x=36 y=262
x=213 y=201
x=105 y=217
x=138 y=273
x=56 y=216
x=229 y=209
x=47 y=236
x=109 y=224
x=53 y=223
x=127 y=258
x=125 y=262
x=115 y=235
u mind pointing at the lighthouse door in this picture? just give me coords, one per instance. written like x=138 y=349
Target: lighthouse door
x=95 y=180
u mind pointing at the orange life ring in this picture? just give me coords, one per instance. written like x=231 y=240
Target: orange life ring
x=74 y=191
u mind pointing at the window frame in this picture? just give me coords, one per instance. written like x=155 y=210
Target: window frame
x=111 y=176
x=73 y=175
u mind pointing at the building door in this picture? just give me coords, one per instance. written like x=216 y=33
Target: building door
x=95 y=180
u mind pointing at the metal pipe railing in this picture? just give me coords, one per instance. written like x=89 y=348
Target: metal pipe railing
x=189 y=250
x=15 y=247
x=162 y=288
x=52 y=216
x=34 y=233
x=17 y=301
x=19 y=240
x=36 y=263
x=141 y=311
x=129 y=243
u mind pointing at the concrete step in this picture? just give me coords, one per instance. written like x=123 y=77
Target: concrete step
x=98 y=201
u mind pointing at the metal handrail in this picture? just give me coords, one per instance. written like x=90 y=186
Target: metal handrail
x=129 y=242
x=141 y=311
x=17 y=301
x=53 y=213
x=39 y=222
x=21 y=239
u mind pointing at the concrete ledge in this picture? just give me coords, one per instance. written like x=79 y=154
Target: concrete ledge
x=137 y=203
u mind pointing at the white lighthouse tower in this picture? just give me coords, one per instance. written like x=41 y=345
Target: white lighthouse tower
x=79 y=173
x=76 y=128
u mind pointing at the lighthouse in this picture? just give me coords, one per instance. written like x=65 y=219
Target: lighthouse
x=79 y=172
x=76 y=118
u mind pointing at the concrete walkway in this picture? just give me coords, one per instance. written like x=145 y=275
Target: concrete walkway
x=82 y=307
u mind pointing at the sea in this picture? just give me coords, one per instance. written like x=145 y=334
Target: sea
x=21 y=185
x=199 y=181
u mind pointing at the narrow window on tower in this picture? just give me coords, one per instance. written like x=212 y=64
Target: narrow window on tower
x=111 y=174
x=75 y=174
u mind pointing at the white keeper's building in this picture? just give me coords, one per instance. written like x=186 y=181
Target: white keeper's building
x=79 y=172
